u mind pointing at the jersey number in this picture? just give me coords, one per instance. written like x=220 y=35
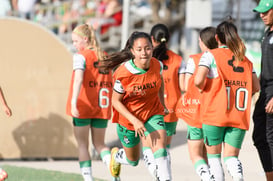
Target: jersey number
x=103 y=99
x=239 y=92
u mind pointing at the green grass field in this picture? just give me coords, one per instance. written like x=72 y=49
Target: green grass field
x=30 y=174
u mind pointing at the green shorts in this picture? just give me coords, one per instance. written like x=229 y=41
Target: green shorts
x=194 y=133
x=96 y=123
x=170 y=128
x=127 y=137
x=214 y=135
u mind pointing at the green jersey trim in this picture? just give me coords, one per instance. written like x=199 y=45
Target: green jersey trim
x=133 y=68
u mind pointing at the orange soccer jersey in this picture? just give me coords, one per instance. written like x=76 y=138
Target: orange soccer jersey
x=227 y=99
x=94 y=100
x=188 y=106
x=140 y=93
x=171 y=84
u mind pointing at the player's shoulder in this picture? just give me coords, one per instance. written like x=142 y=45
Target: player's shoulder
x=196 y=56
x=121 y=71
x=173 y=54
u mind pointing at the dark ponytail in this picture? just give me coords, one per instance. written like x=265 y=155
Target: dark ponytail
x=161 y=35
x=115 y=59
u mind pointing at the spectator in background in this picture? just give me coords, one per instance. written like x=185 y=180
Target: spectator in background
x=168 y=8
x=173 y=16
x=156 y=6
x=79 y=9
x=109 y=14
x=25 y=8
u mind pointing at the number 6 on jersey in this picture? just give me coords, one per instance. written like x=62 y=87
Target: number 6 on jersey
x=103 y=98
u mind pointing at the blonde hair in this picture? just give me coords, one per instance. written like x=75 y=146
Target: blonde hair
x=86 y=30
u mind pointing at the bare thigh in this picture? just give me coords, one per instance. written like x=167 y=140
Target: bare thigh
x=155 y=140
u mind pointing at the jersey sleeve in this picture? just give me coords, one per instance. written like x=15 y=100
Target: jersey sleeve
x=78 y=61
x=190 y=66
x=182 y=68
x=118 y=87
x=207 y=60
x=253 y=70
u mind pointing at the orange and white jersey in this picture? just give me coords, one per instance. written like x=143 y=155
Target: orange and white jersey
x=94 y=100
x=140 y=89
x=188 y=105
x=226 y=98
x=172 y=92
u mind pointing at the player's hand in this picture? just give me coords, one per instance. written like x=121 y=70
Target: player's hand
x=269 y=107
x=139 y=128
x=7 y=111
x=74 y=111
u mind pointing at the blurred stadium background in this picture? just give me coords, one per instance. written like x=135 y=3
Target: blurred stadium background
x=36 y=62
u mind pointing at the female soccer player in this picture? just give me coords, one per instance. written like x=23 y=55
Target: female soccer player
x=227 y=81
x=89 y=101
x=139 y=104
x=173 y=76
x=188 y=107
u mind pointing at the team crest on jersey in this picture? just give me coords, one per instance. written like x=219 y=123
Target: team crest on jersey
x=126 y=140
x=235 y=69
x=271 y=40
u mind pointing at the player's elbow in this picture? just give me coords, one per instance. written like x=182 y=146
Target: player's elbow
x=198 y=83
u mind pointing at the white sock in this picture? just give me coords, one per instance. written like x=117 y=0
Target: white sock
x=234 y=167
x=106 y=157
x=202 y=169
x=162 y=165
x=149 y=161
x=169 y=158
x=87 y=173
x=106 y=160
x=121 y=157
x=216 y=168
